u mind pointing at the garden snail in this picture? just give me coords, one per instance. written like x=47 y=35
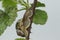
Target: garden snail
x=24 y=23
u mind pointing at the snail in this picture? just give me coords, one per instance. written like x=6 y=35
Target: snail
x=24 y=23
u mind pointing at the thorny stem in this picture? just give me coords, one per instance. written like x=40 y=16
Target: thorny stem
x=29 y=29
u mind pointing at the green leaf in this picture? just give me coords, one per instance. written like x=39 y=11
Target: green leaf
x=7 y=16
x=19 y=39
x=0 y=0
x=12 y=13
x=22 y=2
x=2 y=28
x=3 y=20
x=11 y=10
x=7 y=3
x=39 y=4
x=40 y=17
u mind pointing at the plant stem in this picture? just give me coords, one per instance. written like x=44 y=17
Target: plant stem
x=33 y=8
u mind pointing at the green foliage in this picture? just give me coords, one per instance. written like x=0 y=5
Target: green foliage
x=0 y=0
x=39 y=4
x=3 y=19
x=40 y=17
x=19 y=39
x=9 y=14
x=11 y=11
x=7 y=3
x=23 y=3
x=6 y=19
